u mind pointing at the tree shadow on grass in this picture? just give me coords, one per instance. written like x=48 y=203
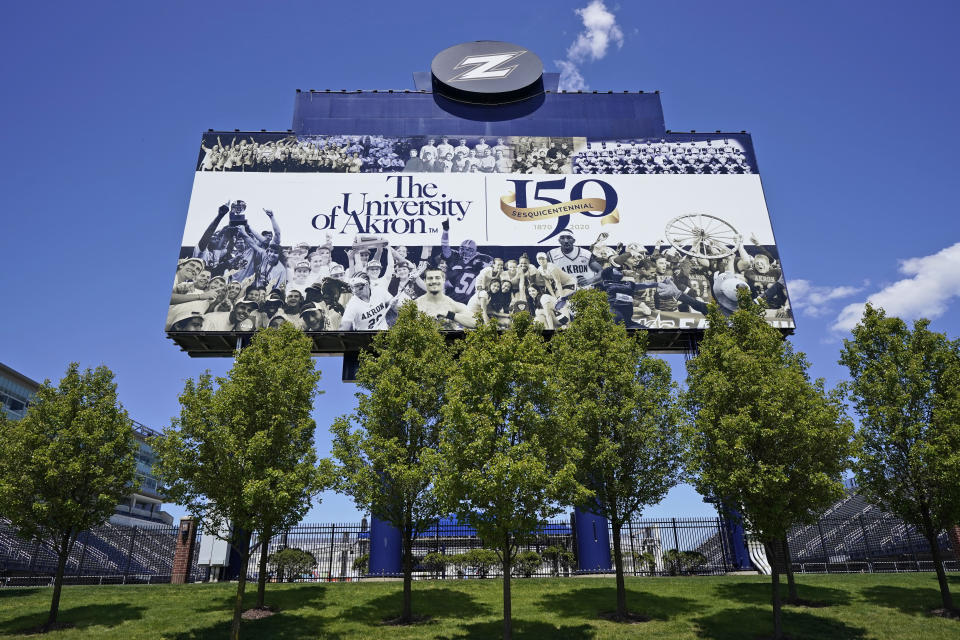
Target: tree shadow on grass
x=753 y=622
x=591 y=601
x=90 y=615
x=760 y=593
x=284 y=626
x=279 y=599
x=14 y=592
x=438 y=602
x=524 y=629
x=911 y=601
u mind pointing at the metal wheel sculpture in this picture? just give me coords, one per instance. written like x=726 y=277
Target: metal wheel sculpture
x=702 y=235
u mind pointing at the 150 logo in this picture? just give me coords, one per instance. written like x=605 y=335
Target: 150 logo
x=516 y=205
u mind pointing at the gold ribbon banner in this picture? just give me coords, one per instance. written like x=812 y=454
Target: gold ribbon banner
x=556 y=210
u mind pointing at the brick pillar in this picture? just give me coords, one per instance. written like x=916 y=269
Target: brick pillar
x=183 y=552
x=955 y=540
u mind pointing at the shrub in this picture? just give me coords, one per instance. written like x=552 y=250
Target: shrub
x=645 y=561
x=435 y=563
x=526 y=563
x=292 y=562
x=481 y=560
x=683 y=562
x=361 y=564
x=559 y=558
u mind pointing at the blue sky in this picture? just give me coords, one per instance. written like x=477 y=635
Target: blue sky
x=851 y=106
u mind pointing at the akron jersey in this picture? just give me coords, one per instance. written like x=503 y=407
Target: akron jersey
x=700 y=286
x=578 y=266
x=370 y=315
x=760 y=282
x=462 y=275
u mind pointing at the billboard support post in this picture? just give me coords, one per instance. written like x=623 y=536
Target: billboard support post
x=593 y=541
x=386 y=550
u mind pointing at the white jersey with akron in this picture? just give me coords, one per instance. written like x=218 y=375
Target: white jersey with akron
x=370 y=315
x=577 y=265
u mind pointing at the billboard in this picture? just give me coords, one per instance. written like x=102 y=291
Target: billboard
x=333 y=232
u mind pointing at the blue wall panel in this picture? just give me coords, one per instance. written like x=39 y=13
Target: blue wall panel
x=601 y=115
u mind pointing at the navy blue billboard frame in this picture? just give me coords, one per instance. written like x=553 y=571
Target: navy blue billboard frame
x=601 y=115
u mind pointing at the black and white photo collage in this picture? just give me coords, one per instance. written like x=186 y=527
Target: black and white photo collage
x=239 y=279
x=286 y=153
x=244 y=273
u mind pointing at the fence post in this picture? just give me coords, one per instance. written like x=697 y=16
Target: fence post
x=723 y=543
x=126 y=569
x=633 y=551
x=34 y=555
x=866 y=543
x=823 y=547
x=333 y=534
x=676 y=538
x=83 y=552
x=913 y=548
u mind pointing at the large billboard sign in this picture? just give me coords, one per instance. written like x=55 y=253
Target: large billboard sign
x=334 y=233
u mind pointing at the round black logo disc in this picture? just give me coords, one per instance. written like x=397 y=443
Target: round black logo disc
x=487 y=72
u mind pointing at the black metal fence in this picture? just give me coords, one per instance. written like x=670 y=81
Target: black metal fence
x=674 y=546
x=109 y=554
x=340 y=551
x=865 y=544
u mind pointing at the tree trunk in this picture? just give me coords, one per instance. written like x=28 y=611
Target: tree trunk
x=775 y=583
x=931 y=535
x=262 y=575
x=406 y=615
x=788 y=567
x=507 y=615
x=618 y=564
x=241 y=585
x=62 y=555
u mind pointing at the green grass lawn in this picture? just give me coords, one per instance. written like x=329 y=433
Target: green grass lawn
x=886 y=606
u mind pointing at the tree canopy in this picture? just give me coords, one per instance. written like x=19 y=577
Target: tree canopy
x=507 y=462
x=905 y=387
x=764 y=438
x=387 y=449
x=624 y=407
x=66 y=465
x=241 y=451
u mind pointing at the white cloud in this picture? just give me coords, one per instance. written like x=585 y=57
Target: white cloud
x=570 y=77
x=813 y=300
x=932 y=282
x=600 y=31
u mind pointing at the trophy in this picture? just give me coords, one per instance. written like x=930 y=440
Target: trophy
x=237 y=219
x=367 y=241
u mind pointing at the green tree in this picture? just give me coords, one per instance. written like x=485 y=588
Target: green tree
x=66 y=464
x=435 y=562
x=624 y=405
x=906 y=391
x=645 y=560
x=387 y=449
x=507 y=461
x=292 y=562
x=558 y=557
x=526 y=563
x=763 y=437
x=683 y=562
x=361 y=564
x=480 y=560
x=241 y=452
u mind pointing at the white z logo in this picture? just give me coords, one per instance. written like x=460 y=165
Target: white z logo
x=485 y=67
